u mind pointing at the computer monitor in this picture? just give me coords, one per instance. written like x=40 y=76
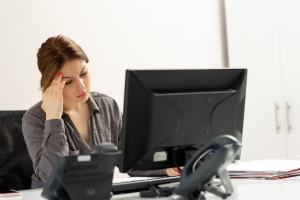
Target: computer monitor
x=169 y=114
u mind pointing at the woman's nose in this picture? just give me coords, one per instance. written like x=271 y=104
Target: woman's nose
x=80 y=84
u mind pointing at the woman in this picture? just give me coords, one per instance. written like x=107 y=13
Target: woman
x=70 y=119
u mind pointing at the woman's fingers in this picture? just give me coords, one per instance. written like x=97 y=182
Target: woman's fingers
x=57 y=83
x=177 y=170
x=172 y=172
x=62 y=84
x=176 y=173
x=57 y=79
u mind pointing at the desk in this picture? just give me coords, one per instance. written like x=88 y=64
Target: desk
x=243 y=190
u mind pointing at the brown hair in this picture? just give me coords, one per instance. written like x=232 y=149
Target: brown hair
x=53 y=54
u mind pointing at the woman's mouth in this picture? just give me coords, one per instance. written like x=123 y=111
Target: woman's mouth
x=82 y=95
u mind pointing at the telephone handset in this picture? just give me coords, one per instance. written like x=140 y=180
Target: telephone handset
x=196 y=180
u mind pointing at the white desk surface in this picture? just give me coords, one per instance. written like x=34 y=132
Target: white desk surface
x=243 y=190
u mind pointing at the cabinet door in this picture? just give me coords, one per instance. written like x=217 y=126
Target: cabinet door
x=253 y=43
x=289 y=21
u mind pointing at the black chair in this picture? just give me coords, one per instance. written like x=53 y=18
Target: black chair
x=15 y=163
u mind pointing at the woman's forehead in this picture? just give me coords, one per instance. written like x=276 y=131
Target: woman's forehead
x=73 y=66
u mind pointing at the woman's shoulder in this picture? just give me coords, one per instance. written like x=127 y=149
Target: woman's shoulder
x=35 y=112
x=99 y=95
x=102 y=98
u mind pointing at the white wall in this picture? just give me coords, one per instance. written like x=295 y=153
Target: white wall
x=115 y=34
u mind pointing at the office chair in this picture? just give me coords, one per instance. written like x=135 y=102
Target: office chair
x=15 y=163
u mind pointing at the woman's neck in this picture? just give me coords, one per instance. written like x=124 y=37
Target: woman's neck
x=74 y=107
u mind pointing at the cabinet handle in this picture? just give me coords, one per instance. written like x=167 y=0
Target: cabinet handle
x=276 y=118
x=289 y=127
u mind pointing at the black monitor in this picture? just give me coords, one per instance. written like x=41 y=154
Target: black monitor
x=169 y=114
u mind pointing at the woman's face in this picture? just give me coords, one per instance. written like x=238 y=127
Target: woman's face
x=78 y=81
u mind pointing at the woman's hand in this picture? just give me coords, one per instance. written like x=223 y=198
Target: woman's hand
x=173 y=171
x=53 y=98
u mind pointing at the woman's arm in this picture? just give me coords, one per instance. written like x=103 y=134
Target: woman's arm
x=46 y=142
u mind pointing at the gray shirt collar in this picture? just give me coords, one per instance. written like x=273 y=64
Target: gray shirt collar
x=92 y=106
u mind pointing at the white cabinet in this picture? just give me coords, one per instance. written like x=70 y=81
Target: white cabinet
x=264 y=36
x=289 y=30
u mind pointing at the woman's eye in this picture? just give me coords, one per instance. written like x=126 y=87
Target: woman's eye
x=80 y=75
x=83 y=73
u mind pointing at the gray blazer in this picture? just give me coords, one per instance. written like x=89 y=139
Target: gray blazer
x=47 y=140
